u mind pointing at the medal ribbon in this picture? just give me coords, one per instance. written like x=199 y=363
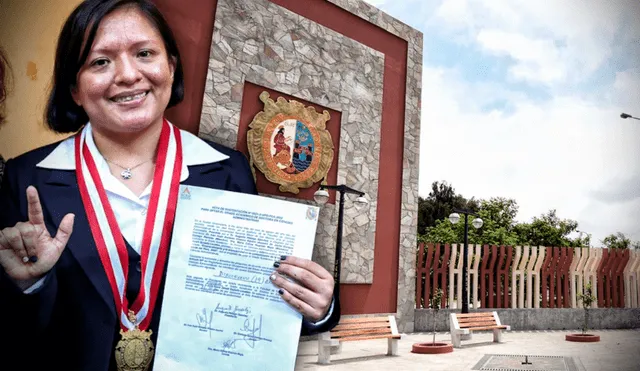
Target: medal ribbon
x=157 y=231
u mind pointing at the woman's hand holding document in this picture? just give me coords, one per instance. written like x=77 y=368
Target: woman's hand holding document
x=239 y=282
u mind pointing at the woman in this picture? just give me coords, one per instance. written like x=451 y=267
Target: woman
x=117 y=70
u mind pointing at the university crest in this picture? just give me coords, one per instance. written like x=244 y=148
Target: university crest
x=289 y=144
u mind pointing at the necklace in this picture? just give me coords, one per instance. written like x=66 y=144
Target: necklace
x=127 y=171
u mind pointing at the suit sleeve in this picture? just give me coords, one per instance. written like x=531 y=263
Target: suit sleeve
x=326 y=324
x=21 y=315
x=247 y=184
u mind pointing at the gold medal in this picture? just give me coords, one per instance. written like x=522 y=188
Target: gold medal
x=134 y=352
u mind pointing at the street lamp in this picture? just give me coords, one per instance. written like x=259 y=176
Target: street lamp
x=628 y=116
x=580 y=236
x=477 y=223
x=321 y=197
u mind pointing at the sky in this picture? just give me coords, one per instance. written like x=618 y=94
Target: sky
x=522 y=99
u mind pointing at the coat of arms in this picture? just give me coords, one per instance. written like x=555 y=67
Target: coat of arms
x=289 y=144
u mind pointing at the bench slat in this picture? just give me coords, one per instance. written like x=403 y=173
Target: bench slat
x=382 y=336
x=491 y=320
x=480 y=324
x=340 y=334
x=474 y=319
x=503 y=327
x=478 y=314
x=345 y=321
x=355 y=326
x=476 y=324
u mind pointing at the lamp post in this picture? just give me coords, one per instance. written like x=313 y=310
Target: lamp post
x=477 y=223
x=321 y=197
x=580 y=237
x=628 y=116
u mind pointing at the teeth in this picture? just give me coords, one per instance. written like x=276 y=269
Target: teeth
x=130 y=97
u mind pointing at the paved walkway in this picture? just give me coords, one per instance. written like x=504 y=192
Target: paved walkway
x=618 y=350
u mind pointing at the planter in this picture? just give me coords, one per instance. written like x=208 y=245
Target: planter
x=432 y=348
x=583 y=338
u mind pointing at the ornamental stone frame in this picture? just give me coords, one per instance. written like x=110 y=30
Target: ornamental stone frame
x=262 y=43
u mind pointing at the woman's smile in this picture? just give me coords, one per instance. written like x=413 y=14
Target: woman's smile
x=130 y=97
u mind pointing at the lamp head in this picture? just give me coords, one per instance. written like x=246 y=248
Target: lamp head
x=625 y=115
x=321 y=196
x=454 y=218
x=360 y=202
x=477 y=223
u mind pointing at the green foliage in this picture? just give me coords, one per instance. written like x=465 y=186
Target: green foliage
x=550 y=230
x=587 y=298
x=436 y=300
x=499 y=223
x=439 y=204
x=618 y=241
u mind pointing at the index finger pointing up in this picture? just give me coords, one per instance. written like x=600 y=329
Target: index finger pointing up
x=34 y=207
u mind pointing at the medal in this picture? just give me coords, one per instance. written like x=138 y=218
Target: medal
x=135 y=350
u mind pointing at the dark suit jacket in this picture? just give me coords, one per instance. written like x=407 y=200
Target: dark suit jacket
x=70 y=323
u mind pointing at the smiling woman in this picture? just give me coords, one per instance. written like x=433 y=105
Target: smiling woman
x=84 y=221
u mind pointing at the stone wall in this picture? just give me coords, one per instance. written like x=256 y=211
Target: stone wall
x=265 y=44
x=410 y=168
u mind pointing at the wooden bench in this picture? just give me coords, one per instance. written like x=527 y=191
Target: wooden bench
x=464 y=324
x=353 y=329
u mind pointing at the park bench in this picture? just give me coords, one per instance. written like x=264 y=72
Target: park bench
x=464 y=324
x=354 y=329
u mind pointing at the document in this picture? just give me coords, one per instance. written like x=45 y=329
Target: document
x=220 y=310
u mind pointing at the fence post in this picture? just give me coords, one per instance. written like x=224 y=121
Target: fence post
x=537 y=272
x=474 y=256
x=453 y=282
x=631 y=288
x=419 y=271
x=517 y=293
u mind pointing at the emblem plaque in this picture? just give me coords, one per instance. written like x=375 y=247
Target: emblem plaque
x=289 y=144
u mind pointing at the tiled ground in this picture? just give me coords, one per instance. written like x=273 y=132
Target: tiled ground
x=618 y=350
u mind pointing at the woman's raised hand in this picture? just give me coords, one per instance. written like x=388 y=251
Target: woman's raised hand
x=27 y=250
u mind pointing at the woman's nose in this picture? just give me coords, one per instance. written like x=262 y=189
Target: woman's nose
x=127 y=71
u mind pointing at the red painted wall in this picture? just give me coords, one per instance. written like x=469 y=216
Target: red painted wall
x=192 y=25
x=381 y=296
x=192 y=21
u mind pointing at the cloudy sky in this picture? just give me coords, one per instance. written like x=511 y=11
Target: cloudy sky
x=522 y=99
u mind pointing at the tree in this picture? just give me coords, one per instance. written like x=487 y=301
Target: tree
x=498 y=216
x=501 y=228
x=587 y=298
x=550 y=230
x=436 y=302
x=439 y=204
x=499 y=222
x=617 y=241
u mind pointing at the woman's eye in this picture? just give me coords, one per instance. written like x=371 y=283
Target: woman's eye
x=100 y=62
x=145 y=53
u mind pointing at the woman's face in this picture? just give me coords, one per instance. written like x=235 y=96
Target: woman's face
x=125 y=83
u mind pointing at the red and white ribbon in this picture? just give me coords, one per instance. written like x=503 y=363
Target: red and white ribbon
x=157 y=231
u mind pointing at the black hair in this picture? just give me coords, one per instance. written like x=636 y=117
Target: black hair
x=63 y=115
x=5 y=80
